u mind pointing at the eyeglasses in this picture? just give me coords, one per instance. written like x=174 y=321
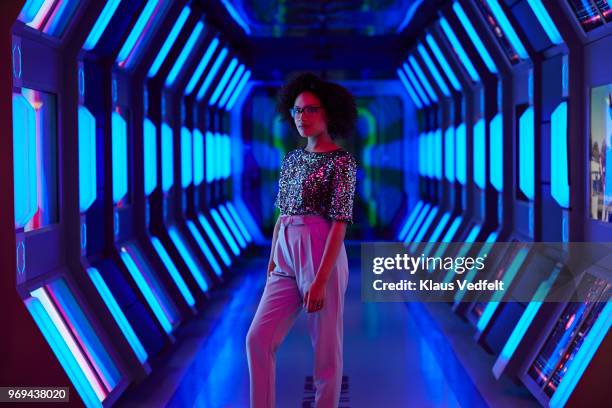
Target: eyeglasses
x=308 y=110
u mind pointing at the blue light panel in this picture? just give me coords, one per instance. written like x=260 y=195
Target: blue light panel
x=204 y=247
x=167 y=157
x=243 y=229
x=411 y=217
x=227 y=154
x=412 y=79
x=463 y=250
x=414 y=227
x=449 y=154
x=231 y=86
x=417 y=68
x=30 y=10
x=210 y=232
x=211 y=74
x=128 y=48
x=105 y=16
x=238 y=90
x=434 y=235
x=496 y=151
x=225 y=232
x=433 y=70
x=236 y=16
x=452 y=230
x=119 y=142
x=186 y=157
x=233 y=227
x=174 y=273
x=465 y=60
x=461 y=150
x=197 y=74
x=150 y=156
x=507 y=27
x=411 y=92
x=118 y=315
x=426 y=224
x=450 y=74
x=179 y=64
x=437 y=138
x=559 y=177
x=526 y=153
x=24 y=160
x=422 y=154
x=87 y=159
x=544 y=18
x=196 y=272
x=221 y=85
x=479 y=152
x=210 y=157
x=165 y=49
x=198 y=157
x=471 y=31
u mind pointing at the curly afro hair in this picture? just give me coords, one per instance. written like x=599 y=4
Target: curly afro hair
x=338 y=102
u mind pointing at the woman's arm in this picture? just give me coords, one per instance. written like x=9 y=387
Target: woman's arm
x=271 y=264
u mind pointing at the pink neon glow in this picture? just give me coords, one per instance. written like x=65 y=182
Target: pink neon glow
x=143 y=35
x=42 y=14
x=81 y=343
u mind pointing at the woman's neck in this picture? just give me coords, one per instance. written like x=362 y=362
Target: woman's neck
x=320 y=143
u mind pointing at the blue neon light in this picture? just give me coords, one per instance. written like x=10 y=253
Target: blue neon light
x=479 y=154
x=103 y=19
x=449 y=154
x=186 y=158
x=232 y=225
x=507 y=27
x=473 y=234
x=120 y=165
x=463 y=250
x=188 y=258
x=431 y=241
x=130 y=42
x=202 y=66
x=410 y=220
x=425 y=227
x=204 y=247
x=417 y=68
x=145 y=289
x=414 y=227
x=30 y=10
x=452 y=230
x=496 y=151
x=433 y=69
x=174 y=273
x=559 y=176
x=221 y=85
x=450 y=74
x=150 y=156
x=238 y=90
x=231 y=86
x=210 y=156
x=224 y=231
x=437 y=140
x=544 y=18
x=198 y=157
x=87 y=159
x=228 y=155
x=24 y=160
x=472 y=273
x=461 y=151
x=165 y=49
x=243 y=229
x=421 y=149
x=179 y=64
x=210 y=232
x=117 y=313
x=212 y=73
x=411 y=92
x=416 y=85
x=583 y=357
x=465 y=60
x=526 y=153
x=471 y=31
x=236 y=16
x=167 y=157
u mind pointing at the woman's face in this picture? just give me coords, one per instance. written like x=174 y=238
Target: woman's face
x=310 y=118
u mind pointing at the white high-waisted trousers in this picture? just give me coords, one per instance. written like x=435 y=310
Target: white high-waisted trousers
x=297 y=256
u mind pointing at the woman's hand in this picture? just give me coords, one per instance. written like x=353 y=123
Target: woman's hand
x=314 y=298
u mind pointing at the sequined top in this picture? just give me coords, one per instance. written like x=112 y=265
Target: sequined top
x=317 y=183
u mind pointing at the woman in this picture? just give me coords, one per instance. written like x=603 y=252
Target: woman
x=308 y=266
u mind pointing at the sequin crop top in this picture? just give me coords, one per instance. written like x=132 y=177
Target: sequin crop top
x=318 y=183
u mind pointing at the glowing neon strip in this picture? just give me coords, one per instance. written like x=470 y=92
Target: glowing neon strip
x=174 y=273
x=221 y=85
x=224 y=231
x=559 y=176
x=413 y=214
x=41 y=295
x=54 y=335
x=465 y=60
x=186 y=157
x=526 y=153
x=60 y=17
x=507 y=27
x=215 y=240
x=449 y=154
x=41 y=14
x=204 y=247
x=411 y=92
x=167 y=157
x=233 y=227
x=209 y=157
x=30 y=10
x=463 y=250
x=197 y=74
x=119 y=147
x=231 y=85
x=101 y=23
x=450 y=234
x=544 y=18
x=434 y=236
x=437 y=143
x=87 y=159
x=433 y=70
x=150 y=156
x=415 y=226
x=236 y=16
x=188 y=258
x=243 y=229
x=472 y=273
x=425 y=227
x=147 y=292
x=471 y=31
x=461 y=151
x=416 y=84
x=179 y=64
x=212 y=73
x=450 y=74
x=118 y=315
x=496 y=151
x=198 y=157
x=479 y=154
x=24 y=160
x=238 y=91
x=129 y=45
x=165 y=49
